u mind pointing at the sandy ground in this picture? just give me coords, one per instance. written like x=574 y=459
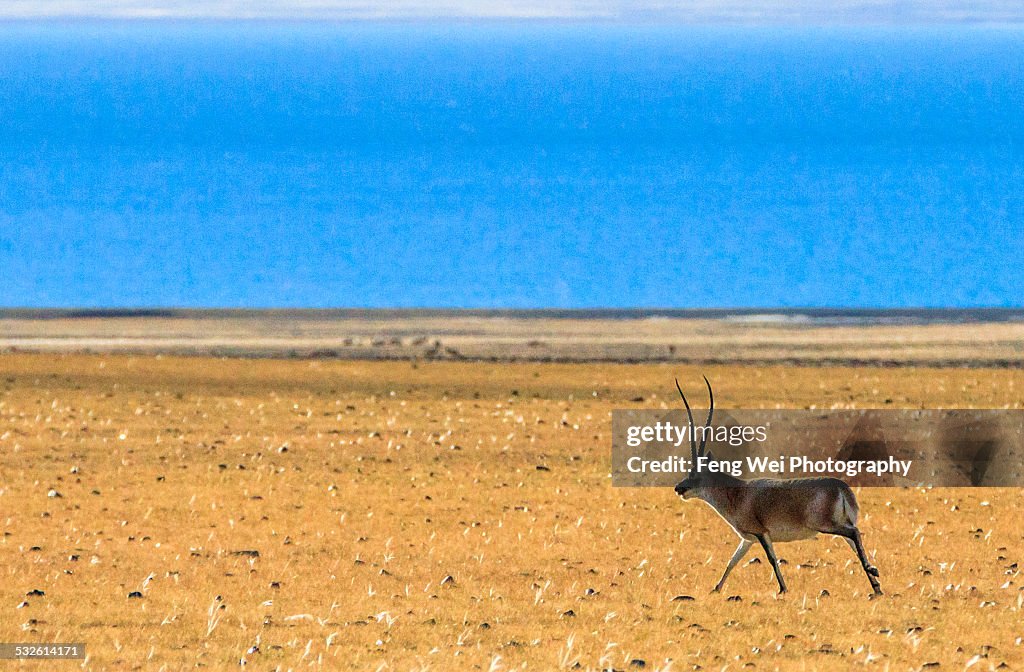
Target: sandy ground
x=451 y=515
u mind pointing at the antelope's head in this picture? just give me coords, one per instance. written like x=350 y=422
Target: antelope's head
x=696 y=481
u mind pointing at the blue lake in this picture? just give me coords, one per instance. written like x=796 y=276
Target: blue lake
x=509 y=165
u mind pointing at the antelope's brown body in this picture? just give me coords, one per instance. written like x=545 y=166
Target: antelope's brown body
x=799 y=508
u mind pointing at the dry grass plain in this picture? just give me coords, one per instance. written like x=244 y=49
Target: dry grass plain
x=363 y=486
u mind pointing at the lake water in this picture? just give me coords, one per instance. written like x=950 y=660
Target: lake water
x=509 y=165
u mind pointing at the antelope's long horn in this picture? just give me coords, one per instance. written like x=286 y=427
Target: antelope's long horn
x=693 y=439
x=711 y=412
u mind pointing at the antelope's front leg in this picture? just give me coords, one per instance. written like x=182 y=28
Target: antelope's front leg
x=770 y=552
x=741 y=550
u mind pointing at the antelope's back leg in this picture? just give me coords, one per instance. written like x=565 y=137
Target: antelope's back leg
x=852 y=536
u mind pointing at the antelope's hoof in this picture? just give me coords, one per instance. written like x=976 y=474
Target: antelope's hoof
x=877 y=593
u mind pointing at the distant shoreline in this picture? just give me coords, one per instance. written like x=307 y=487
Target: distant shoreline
x=958 y=338
x=793 y=316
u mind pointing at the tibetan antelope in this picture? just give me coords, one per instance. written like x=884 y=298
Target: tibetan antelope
x=768 y=510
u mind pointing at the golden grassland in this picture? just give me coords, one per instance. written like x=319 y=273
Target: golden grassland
x=458 y=516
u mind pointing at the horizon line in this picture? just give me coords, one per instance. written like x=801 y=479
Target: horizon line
x=341 y=18
x=7 y=311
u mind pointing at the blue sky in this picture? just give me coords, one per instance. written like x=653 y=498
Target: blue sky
x=743 y=11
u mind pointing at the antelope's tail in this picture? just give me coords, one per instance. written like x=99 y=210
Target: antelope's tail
x=848 y=506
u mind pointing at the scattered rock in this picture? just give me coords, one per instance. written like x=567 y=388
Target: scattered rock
x=135 y=595
x=683 y=598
